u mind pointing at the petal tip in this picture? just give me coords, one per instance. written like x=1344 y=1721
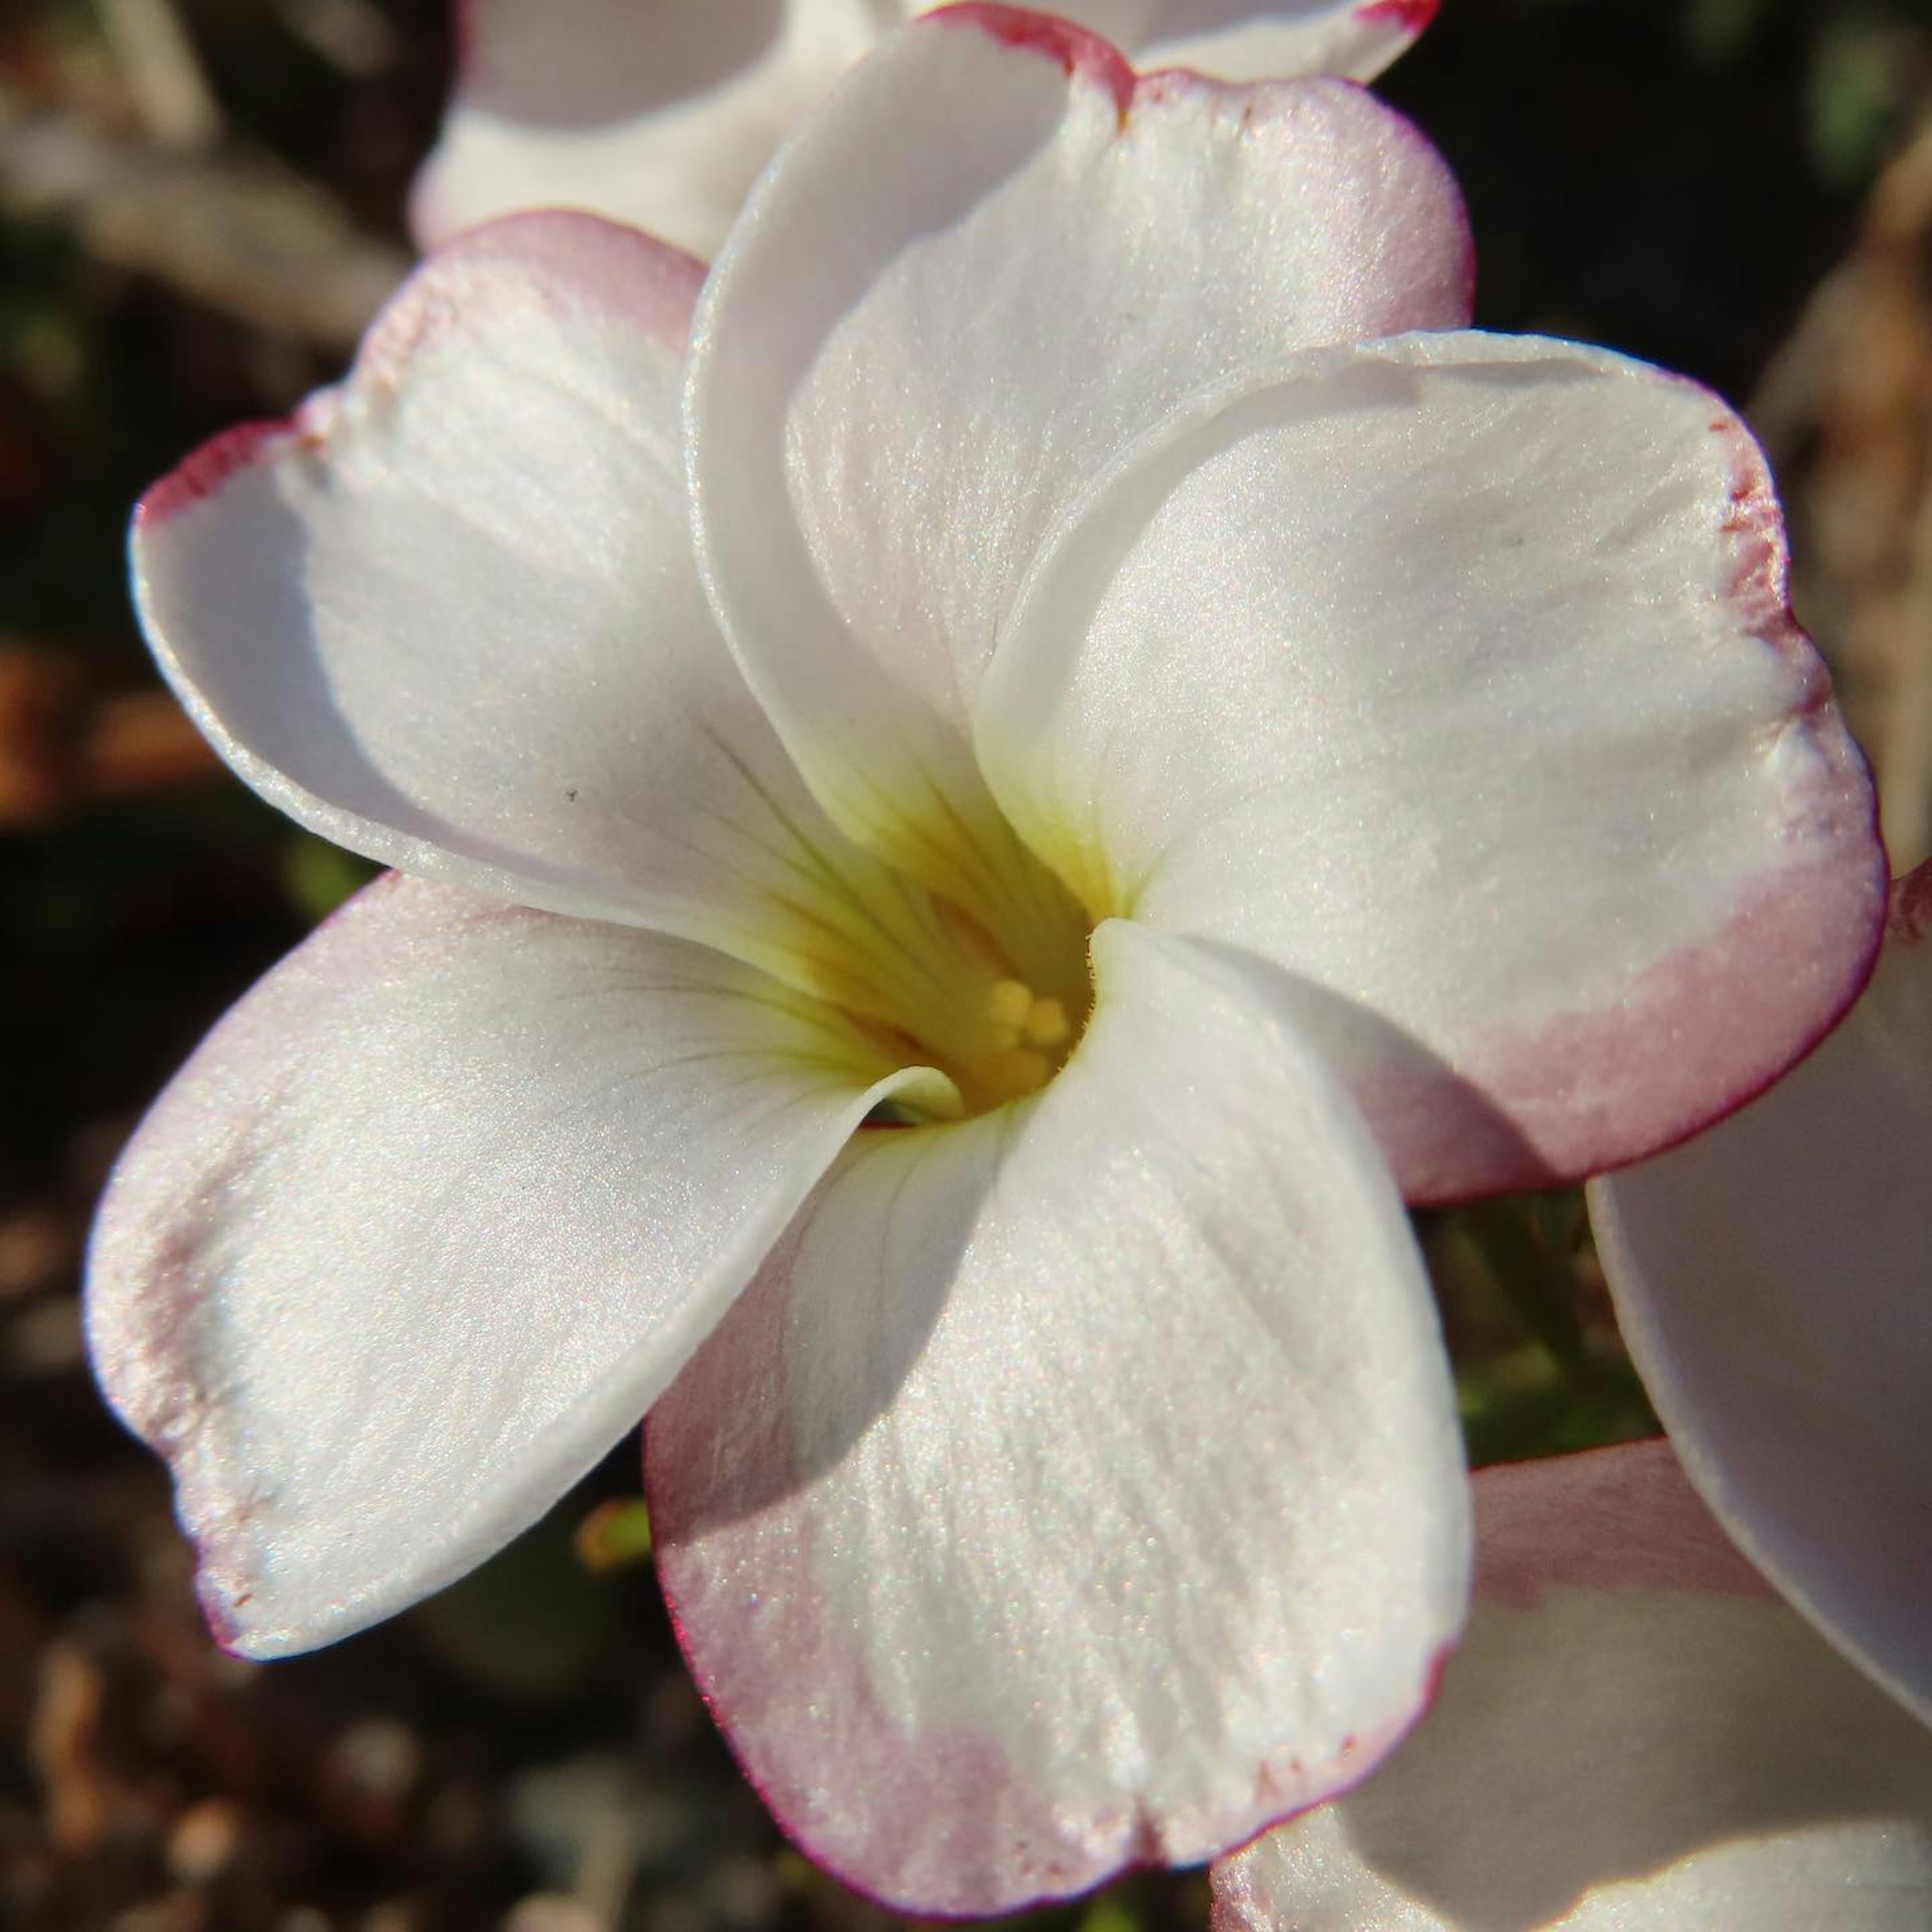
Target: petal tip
x=570 y=256
x=1411 y=17
x=222 y=1611
x=1438 y=212
x=1360 y=1756
x=1045 y=1862
x=207 y=471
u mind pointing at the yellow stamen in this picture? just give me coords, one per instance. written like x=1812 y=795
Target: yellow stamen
x=1046 y=1024
x=1010 y=1003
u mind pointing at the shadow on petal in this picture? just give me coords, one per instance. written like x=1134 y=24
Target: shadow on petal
x=737 y=1384
x=1702 y=1734
x=1428 y=1119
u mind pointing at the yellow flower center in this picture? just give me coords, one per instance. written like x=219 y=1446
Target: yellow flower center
x=964 y=953
x=995 y=1006
x=983 y=977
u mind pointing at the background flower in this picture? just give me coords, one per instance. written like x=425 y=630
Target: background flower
x=1636 y=1735
x=662 y=112
x=1771 y=1277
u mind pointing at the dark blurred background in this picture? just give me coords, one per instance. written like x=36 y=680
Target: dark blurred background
x=199 y=206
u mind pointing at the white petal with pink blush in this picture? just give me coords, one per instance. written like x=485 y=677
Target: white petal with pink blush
x=1089 y=1427
x=1046 y=1477
x=1774 y=1278
x=430 y=1220
x=493 y=664
x=961 y=258
x=1362 y=662
x=1636 y=1735
x=662 y=113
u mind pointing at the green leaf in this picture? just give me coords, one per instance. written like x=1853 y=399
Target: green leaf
x=318 y=876
x=614 y=1535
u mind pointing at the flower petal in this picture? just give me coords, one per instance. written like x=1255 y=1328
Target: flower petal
x=1771 y=1277
x=991 y=262
x=1634 y=1737
x=1251 y=39
x=663 y=115
x=450 y=617
x=426 y=1224
x=660 y=115
x=1081 y=1481
x=1456 y=674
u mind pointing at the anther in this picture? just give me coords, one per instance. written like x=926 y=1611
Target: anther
x=1046 y=1023
x=1010 y=1003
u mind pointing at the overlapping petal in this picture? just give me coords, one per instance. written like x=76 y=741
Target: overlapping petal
x=1772 y=1277
x=662 y=112
x=449 y=616
x=1077 y=1486
x=1253 y=40
x=1456 y=673
x=656 y=112
x=429 y=1220
x=1634 y=1736
x=992 y=261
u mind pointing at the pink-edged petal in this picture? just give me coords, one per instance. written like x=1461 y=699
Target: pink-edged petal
x=428 y=1221
x=1774 y=1279
x=1077 y=1486
x=1254 y=40
x=656 y=112
x=662 y=115
x=1456 y=674
x=1634 y=1736
x=449 y=616
x=991 y=262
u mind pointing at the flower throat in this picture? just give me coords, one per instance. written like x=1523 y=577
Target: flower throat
x=967 y=955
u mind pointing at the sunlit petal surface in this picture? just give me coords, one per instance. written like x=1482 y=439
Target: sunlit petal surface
x=993 y=263
x=428 y=1221
x=449 y=616
x=1456 y=673
x=1078 y=1487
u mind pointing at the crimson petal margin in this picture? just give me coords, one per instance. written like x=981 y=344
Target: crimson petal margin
x=1774 y=1280
x=990 y=262
x=1456 y=674
x=1079 y=1486
x=426 y=1224
x=1635 y=1736
x=1258 y=39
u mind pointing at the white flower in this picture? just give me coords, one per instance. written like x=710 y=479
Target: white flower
x=1130 y=706
x=1636 y=1735
x=1774 y=1278
x=662 y=112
